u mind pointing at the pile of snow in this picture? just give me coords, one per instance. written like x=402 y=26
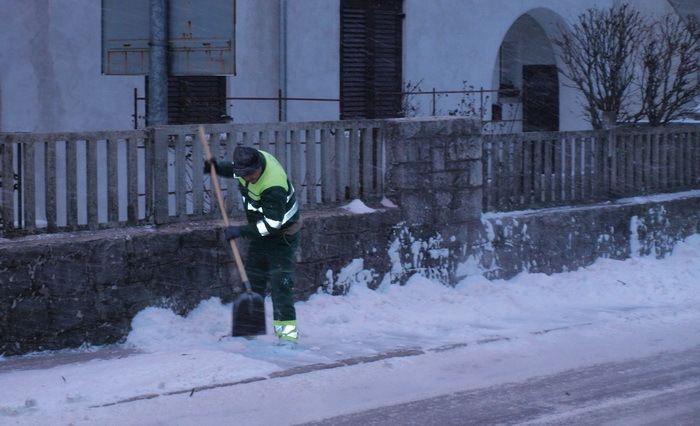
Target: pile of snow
x=358 y=207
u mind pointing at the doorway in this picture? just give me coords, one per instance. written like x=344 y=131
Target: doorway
x=540 y=98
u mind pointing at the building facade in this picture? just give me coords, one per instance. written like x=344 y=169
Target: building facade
x=344 y=58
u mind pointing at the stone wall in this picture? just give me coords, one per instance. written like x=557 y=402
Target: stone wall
x=435 y=175
x=558 y=240
x=564 y=239
x=64 y=290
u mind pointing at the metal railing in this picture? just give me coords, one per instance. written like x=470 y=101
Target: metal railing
x=473 y=111
x=279 y=99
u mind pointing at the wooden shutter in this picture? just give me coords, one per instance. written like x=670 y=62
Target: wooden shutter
x=354 y=59
x=387 y=79
x=371 y=72
x=196 y=99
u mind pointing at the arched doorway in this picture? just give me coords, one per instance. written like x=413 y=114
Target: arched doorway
x=526 y=74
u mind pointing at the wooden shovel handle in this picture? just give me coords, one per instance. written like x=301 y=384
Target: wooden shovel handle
x=222 y=207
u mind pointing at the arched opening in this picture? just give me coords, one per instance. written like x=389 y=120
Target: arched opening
x=526 y=75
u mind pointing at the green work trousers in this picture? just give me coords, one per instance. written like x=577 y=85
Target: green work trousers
x=271 y=260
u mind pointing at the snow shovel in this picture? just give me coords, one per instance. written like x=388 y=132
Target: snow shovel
x=248 y=315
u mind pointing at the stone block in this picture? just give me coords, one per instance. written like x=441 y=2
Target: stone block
x=153 y=245
x=464 y=147
x=417 y=207
x=108 y=305
x=402 y=130
x=442 y=199
x=66 y=274
x=14 y=281
x=409 y=176
x=418 y=151
x=28 y=317
x=72 y=312
x=467 y=204
x=136 y=296
x=198 y=238
x=71 y=337
x=344 y=221
x=438 y=159
x=401 y=134
x=452 y=179
x=106 y=260
x=21 y=268
x=466 y=126
x=476 y=173
x=108 y=332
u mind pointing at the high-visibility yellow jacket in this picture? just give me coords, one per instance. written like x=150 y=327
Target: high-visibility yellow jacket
x=270 y=203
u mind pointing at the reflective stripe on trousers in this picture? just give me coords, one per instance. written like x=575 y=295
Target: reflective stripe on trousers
x=286 y=330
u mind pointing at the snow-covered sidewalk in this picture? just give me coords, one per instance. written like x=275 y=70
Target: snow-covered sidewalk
x=535 y=324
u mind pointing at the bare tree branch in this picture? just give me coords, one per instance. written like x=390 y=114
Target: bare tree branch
x=599 y=53
x=669 y=69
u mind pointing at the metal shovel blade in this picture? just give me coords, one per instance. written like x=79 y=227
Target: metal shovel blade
x=248 y=315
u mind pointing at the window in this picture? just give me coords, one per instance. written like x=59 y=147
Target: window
x=196 y=99
x=371 y=58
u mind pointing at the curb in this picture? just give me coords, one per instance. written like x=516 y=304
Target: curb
x=396 y=353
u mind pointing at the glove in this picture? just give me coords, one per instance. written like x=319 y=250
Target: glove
x=232 y=232
x=208 y=164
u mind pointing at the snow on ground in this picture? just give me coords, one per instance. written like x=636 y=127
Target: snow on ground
x=609 y=310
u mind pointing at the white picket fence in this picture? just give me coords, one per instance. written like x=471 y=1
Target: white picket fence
x=75 y=181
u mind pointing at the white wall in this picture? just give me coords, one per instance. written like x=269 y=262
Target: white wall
x=257 y=61
x=312 y=59
x=313 y=51
x=50 y=70
x=450 y=41
x=50 y=77
x=653 y=8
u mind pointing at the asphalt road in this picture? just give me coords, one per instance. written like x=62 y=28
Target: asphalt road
x=660 y=390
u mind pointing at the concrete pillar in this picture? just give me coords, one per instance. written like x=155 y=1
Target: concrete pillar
x=435 y=170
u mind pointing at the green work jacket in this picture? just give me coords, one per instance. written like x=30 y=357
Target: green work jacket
x=270 y=203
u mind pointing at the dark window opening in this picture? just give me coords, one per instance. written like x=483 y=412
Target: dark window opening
x=540 y=98
x=371 y=58
x=196 y=99
x=496 y=112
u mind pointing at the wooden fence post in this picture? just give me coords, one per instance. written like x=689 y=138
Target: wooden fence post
x=112 y=179
x=8 y=181
x=159 y=136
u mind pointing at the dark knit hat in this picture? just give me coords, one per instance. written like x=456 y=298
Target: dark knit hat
x=246 y=160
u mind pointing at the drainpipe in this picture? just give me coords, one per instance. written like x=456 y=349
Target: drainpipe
x=283 y=58
x=158 y=63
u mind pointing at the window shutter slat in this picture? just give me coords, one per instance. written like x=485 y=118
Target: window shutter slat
x=371 y=58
